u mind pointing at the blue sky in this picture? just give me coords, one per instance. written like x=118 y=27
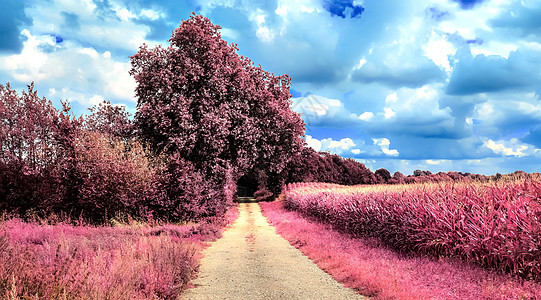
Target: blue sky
x=404 y=85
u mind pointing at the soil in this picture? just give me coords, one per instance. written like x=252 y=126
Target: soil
x=251 y=261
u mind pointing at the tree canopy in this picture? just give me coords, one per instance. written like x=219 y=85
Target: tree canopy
x=199 y=98
x=202 y=102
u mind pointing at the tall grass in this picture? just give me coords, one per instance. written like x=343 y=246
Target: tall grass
x=496 y=225
x=84 y=262
x=375 y=270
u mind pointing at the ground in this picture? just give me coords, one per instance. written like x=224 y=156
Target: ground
x=251 y=261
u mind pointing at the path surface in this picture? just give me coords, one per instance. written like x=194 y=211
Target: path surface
x=251 y=261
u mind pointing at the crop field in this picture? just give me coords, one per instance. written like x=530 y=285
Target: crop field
x=494 y=225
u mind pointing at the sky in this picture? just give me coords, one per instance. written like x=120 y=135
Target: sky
x=449 y=85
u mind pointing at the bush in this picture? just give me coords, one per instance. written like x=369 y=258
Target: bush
x=182 y=192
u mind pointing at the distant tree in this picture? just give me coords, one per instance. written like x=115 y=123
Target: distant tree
x=110 y=120
x=216 y=110
x=29 y=150
x=383 y=175
x=310 y=165
x=399 y=177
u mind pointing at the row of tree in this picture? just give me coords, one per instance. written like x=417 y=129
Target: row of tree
x=205 y=116
x=206 y=120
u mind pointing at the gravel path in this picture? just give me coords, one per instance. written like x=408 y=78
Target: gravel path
x=251 y=261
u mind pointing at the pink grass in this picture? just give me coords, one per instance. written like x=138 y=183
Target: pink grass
x=375 y=270
x=84 y=262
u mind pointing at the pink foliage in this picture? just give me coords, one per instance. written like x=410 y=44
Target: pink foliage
x=83 y=262
x=212 y=107
x=494 y=225
x=375 y=270
x=311 y=166
x=92 y=168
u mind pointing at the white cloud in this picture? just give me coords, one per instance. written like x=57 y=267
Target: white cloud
x=433 y=162
x=151 y=14
x=343 y=144
x=388 y=113
x=286 y=7
x=362 y=62
x=512 y=147
x=29 y=64
x=416 y=106
x=119 y=33
x=265 y=34
x=438 y=49
x=83 y=71
x=96 y=99
x=314 y=143
x=366 y=116
x=333 y=146
x=384 y=143
x=356 y=151
x=124 y=14
x=494 y=48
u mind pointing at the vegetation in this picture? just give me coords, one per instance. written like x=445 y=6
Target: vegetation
x=214 y=113
x=493 y=225
x=128 y=261
x=377 y=271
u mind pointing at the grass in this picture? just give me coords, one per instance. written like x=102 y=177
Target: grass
x=135 y=261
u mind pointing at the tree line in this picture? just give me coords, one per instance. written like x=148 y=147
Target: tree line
x=206 y=119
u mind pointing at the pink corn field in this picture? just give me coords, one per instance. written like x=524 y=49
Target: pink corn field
x=375 y=270
x=496 y=225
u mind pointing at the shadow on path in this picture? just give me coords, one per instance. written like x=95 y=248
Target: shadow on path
x=246 y=200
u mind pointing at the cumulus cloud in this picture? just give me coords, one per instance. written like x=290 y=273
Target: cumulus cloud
x=341 y=146
x=414 y=112
x=513 y=147
x=73 y=71
x=314 y=143
x=83 y=22
x=400 y=59
x=397 y=67
x=493 y=73
x=366 y=116
x=384 y=143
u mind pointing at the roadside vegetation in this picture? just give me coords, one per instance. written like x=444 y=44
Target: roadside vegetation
x=376 y=270
x=494 y=225
x=112 y=206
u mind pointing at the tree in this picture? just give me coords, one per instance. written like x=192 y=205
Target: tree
x=383 y=175
x=110 y=120
x=216 y=110
x=28 y=149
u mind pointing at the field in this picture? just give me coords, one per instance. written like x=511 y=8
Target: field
x=126 y=261
x=495 y=226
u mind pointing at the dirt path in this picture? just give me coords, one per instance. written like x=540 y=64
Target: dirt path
x=252 y=262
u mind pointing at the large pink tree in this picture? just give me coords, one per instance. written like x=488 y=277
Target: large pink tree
x=201 y=101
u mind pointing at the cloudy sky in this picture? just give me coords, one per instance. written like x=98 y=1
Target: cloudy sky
x=411 y=84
